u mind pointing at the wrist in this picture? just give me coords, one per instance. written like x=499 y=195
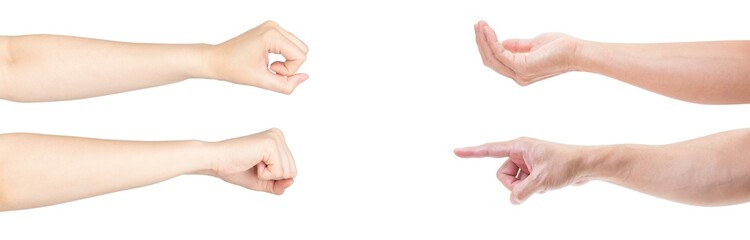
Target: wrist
x=611 y=163
x=203 y=160
x=200 y=61
x=584 y=56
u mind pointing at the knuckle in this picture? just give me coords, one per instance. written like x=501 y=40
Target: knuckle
x=274 y=131
x=303 y=57
x=522 y=80
x=270 y=23
x=269 y=32
x=270 y=142
x=277 y=134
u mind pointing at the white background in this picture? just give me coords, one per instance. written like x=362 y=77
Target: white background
x=394 y=87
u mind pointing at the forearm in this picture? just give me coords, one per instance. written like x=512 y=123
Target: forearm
x=708 y=171
x=702 y=72
x=49 y=68
x=41 y=170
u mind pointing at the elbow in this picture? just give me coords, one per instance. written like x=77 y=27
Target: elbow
x=4 y=204
x=5 y=61
x=10 y=94
x=7 y=93
x=6 y=199
x=8 y=90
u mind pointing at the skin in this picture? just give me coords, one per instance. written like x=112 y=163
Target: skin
x=72 y=168
x=52 y=68
x=699 y=72
x=40 y=68
x=708 y=171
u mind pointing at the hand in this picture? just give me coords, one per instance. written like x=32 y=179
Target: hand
x=260 y=162
x=526 y=60
x=533 y=166
x=244 y=59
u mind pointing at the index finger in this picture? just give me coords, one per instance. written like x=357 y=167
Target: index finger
x=294 y=55
x=496 y=150
x=486 y=50
x=270 y=172
x=294 y=39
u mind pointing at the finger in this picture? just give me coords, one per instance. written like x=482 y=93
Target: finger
x=282 y=84
x=279 y=186
x=292 y=165
x=270 y=170
x=517 y=45
x=523 y=190
x=484 y=49
x=504 y=58
x=299 y=78
x=488 y=37
x=295 y=40
x=265 y=186
x=472 y=152
x=294 y=55
x=522 y=175
x=262 y=171
x=496 y=150
x=507 y=174
x=580 y=182
x=286 y=160
x=280 y=69
x=518 y=157
x=480 y=44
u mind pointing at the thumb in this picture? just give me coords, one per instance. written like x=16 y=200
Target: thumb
x=279 y=186
x=523 y=190
x=276 y=187
x=280 y=83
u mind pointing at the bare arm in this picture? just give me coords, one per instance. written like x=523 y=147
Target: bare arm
x=707 y=171
x=50 y=68
x=40 y=170
x=700 y=72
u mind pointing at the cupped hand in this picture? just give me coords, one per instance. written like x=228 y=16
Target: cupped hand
x=526 y=60
x=244 y=59
x=260 y=162
x=533 y=166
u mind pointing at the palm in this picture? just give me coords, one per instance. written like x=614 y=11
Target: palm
x=526 y=60
x=548 y=53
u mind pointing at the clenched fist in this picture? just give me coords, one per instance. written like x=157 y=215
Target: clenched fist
x=260 y=162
